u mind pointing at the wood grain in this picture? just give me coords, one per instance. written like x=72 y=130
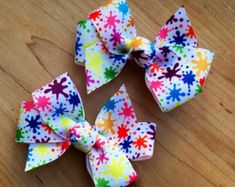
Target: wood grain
x=195 y=142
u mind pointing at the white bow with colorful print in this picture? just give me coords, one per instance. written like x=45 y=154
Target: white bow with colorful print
x=55 y=119
x=175 y=67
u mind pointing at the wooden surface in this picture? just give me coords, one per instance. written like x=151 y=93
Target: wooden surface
x=195 y=142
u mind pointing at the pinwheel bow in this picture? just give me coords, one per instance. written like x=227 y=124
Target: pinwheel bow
x=55 y=119
x=175 y=67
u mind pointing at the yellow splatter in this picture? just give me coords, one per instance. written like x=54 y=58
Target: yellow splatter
x=116 y=168
x=95 y=62
x=42 y=150
x=107 y=124
x=106 y=4
x=67 y=123
x=201 y=65
x=137 y=42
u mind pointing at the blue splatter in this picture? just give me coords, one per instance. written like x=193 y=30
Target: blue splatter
x=118 y=58
x=78 y=45
x=74 y=100
x=188 y=78
x=153 y=51
x=179 y=39
x=59 y=111
x=175 y=94
x=126 y=144
x=34 y=123
x=123 y=8
x=30 y=153
x=110 y=105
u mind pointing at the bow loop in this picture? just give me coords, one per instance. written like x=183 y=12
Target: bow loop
x=177 y=31
x=108 y=165
x=57 y=102
x=114 y=23
x=117 y=122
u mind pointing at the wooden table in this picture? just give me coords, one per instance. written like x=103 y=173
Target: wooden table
x=195 y=142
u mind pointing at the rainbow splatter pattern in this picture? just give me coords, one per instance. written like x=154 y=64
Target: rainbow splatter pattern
x=55 y=120
x=176 y=67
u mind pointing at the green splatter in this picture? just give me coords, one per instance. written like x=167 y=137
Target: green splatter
x=198 y=89
x=19 y=134
x=80 y=113
x=101 y=182
x=179 y=49
x=110 y=73
x=82 y=24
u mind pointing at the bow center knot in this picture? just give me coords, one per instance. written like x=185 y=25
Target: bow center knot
x=83 y=136
x=140 y=49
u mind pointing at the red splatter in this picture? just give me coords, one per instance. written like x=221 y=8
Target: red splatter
x=155 y=85
x=163 y=33
x=98 y=144
x=155 y=67
x=46 y=128
x=95 y=15
x=65 y=145
x=28 y=105
x=132 y=178
x=122 y=132
x=201 y=81
x=191 y=33
x=101 y=158
x=127 y=111
x=140 y=142
x=43 y=102
x=111 y=20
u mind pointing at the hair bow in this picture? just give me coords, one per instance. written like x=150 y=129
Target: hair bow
x=175 y=67
x=55 y=119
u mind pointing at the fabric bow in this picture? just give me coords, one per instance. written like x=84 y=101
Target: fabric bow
x=175 y=67
x=55 y=119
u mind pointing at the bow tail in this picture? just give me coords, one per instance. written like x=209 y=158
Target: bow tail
x=101 y=66
x=43 y=153
x=109 y=166
x=44 y=144
x=139 y=145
